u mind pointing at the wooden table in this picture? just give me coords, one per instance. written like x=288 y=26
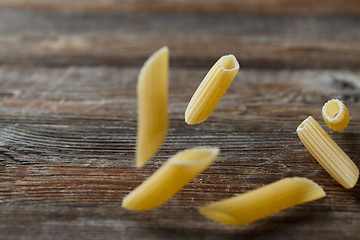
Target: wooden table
x=68 y=110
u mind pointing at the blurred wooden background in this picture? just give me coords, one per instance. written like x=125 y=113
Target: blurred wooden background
x=68 y=72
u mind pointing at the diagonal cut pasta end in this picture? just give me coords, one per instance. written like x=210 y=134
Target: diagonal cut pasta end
x=253 y=205
x=335 y=114
x=217 y=215
x=170 y=178
x=328 y=154
x=152 y=94
x=211 y=89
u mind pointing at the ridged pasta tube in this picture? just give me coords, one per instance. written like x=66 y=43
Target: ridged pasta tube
x=170 y=178
x=253 y=205
x=211 y=89
x=152 y=93
x=335 y=114
x=328 y=154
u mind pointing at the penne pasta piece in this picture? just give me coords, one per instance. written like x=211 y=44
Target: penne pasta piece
x=253 y=205
x=211 y=89
x=170 y=178
x=152 y=92
x=328 y=154
x=335 y=114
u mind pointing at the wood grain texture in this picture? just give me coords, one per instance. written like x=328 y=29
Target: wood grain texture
x=111 y=91
x=68 y=72
x=67 y=153
x=301 y=7
x=194 y=40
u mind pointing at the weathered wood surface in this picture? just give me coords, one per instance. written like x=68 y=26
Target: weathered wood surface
x=67 y=153
x=301 y=7
x=194 y=40
x=68 y=73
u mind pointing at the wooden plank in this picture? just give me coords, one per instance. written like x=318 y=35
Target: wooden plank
x=303 y=7
x=126 y=39
x=67 y=138
x=110 y=91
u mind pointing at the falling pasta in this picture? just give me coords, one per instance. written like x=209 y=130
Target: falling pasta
x=152 y=92
x=253 y=205
x=170 y=178
x=329 y=155
x=211 y=89
x=335 y=114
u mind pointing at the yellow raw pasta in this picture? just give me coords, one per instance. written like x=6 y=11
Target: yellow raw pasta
x=170 y=178
x=152 y=92
x=253 y=205
x=211 y=89
x=329 y=155
x=335 y=114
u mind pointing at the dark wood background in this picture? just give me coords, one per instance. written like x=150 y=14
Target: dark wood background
x=68 y=72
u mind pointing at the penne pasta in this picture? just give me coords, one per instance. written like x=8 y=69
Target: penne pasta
x=170 y=178
x=152 y=92
x=253 y=205
x=329 y=155
x=335 y=114
x=211 y=89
